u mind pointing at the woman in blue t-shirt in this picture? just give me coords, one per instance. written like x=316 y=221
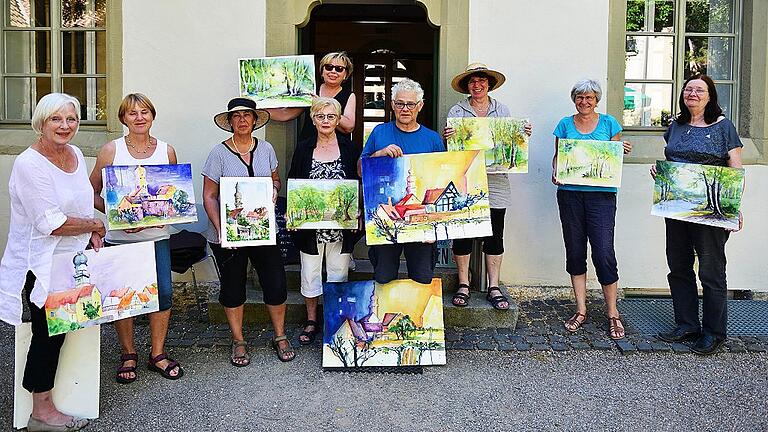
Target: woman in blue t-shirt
x=588 y=213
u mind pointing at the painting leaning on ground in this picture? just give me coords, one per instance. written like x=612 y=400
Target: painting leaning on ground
x=395 y=324
x=503 y=139
x=589 y=162
x=702 y=194
x=144 y=196
x=322 y=204
x=425 y=197
x=276 y=82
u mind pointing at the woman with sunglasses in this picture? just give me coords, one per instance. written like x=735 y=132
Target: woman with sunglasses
x=335 y=69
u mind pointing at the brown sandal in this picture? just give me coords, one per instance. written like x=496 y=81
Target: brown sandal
x=615 y=328
x=573 y=324
x=284 y=354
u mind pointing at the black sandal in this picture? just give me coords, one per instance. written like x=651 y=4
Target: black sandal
x=461 y=297
x=496 y=300
x=127 y=369
x=310 y=335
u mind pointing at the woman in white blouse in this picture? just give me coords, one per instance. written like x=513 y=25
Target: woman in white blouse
x=51 y=213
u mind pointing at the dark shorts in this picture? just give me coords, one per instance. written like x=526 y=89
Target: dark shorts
x=233 y=268
x=163 y=269
x=493 y=245
x=419 y=257
x=589 y=216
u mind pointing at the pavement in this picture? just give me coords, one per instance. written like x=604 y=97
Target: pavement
x=532 y=378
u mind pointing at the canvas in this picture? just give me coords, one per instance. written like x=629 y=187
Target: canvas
x=589 y=162
x=89 y=288
x=247 y=212
x=77 y=384
x=395 y=324
x=425 y=197
x=276 y=82
x=503 y=139
x=314 y=204
x=148 y=195
x=702 y=194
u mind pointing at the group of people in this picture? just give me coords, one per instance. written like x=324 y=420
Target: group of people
x=53 y=201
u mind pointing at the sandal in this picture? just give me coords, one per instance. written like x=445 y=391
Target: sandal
x=461 y=299
x=309 y=336
x=165 y=372
x=496 y=300
x=573 y=324
x=240 y=360
x=615 y=328
x=284 y=354
x=127 y=369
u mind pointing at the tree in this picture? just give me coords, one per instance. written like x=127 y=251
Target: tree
x=508 y=137
x=91 y=310
x=339 y=349
x=404 y=328
x=665 y=178
x=464 y=132
x=388 y=230
x=180 y=200
x=343 y=197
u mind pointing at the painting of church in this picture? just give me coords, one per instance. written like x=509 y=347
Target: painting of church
x=247 y=216
x=71 y=308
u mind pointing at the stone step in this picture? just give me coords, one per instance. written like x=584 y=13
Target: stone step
x=478 y=313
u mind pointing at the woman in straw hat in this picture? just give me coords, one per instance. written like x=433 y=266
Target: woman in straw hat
x=476 y=81
x=243 y=155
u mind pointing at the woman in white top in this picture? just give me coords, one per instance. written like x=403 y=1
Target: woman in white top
x=51 y=213
x=139 y=148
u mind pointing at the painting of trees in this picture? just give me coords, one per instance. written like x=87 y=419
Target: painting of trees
x=325 y=204
x=589 y=162
x=274 y=82
x=345 y=196
x=503 y=139
x=509 y=142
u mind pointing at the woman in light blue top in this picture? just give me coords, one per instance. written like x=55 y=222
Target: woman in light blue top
x=588 y=213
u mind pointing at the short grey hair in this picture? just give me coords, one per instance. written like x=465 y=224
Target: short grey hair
x=586 y=86
x=408 y=85
x=49 y=105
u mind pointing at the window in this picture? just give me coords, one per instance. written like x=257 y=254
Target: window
x=667 y=41
x=53 y=46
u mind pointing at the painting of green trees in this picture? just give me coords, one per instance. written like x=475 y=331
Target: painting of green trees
x=703 y=194
x=276 y=82
x=589 y=162
x=503 y=139
x=324 y=204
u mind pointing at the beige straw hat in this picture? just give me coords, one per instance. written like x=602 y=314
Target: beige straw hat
x=459 y=82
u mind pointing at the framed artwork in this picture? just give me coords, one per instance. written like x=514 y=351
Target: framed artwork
x=277 y=82
x=142 y=196
x=503 y=139
x=247 y=212
x=331 y=204
x=368 y=324
x=90 y=288
x=589 y=162
x=425 y=197
x=702 y=194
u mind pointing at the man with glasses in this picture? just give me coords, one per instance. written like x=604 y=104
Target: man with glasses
x=394 y=139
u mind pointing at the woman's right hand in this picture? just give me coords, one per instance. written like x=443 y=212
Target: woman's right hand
x=448 y=132
x=554 y=179
x=97 y=241
x=653 y=172
x=101 y=230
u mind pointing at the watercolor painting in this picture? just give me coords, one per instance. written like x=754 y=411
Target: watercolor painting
x=277 y=82
x=425 y=197
x=369 y=324
x=247 y=212
x=702 y=194
x=314 y=204
x=90 y=288
x=503 y=139
x=589 y=162
x=148 y=195
x=78 y=379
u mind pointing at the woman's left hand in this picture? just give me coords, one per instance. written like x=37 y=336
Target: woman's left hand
x=528 y=129
x=97 y=242
x=627 y=147
x=274 y=195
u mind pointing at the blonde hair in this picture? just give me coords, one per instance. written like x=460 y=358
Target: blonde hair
x=131 y=100
x=50 y=104
x=342 y=55
x=321 y=102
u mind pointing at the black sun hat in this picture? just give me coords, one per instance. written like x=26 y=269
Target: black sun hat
x=241 y=104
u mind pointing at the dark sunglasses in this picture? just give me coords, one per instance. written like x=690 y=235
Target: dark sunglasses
x=330 y=67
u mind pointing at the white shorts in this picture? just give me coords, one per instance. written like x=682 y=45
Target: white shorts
x=336 y=268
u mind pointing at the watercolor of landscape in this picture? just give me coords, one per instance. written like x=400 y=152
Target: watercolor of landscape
x=247 y=211
x=395 y=324
x=425 y=197
x=276 y=82
x=503 y=139
x=702 y=194
x=89 y=288
x=589 y=162
x=326 y=204
x=148 y=195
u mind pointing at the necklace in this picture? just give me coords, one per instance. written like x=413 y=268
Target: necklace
x=131 y=145
x=482 y=110
x=237 y=149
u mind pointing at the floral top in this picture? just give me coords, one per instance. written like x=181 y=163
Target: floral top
x=333 y=170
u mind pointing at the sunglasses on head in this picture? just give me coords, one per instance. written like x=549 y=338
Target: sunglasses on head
x=330 y=67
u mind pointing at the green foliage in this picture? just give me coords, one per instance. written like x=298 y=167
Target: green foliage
x=231 y=235
x=59 y=326
x=91 y=310
x=344 y=197
x=464 y=132
x=404 y=328
x=180 y=200
x=508 y=138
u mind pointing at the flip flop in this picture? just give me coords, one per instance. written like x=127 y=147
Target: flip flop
x=165 y=372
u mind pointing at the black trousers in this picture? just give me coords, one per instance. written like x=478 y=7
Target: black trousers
x=43 y=355
x=233 y=267
x=684 y=241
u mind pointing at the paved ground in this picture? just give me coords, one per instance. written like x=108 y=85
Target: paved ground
x=496 y=383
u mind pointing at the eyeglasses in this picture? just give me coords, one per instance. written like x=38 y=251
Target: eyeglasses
x=401 y=105
x=61 y=120
x=323 y=117
x=692 y=90
x=589 y=98
x=330 y=67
